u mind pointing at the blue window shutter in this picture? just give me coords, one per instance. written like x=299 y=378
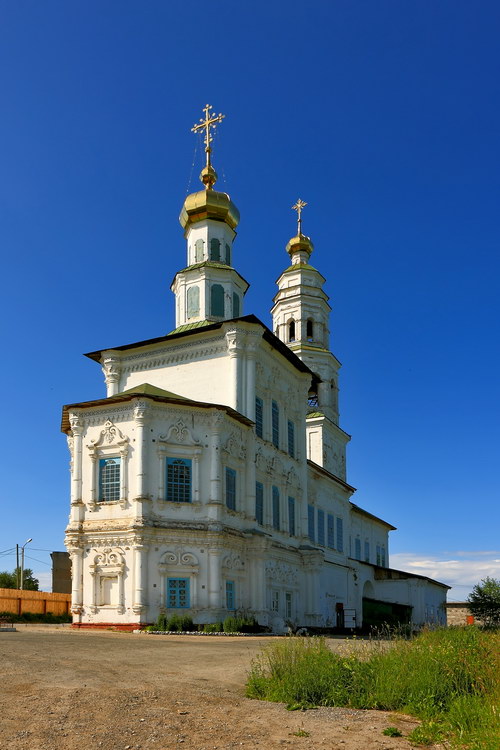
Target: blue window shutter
x=230 y=599
x=109 y=479
x=259 y=417
x=179 y=480
x=236 y=305
x=198 y=249
x=310 y=522
x=217 y=300
x=228 y=255
x=321 y=527
x=259 y=503
x=275 y=412
x=367 y=551
x=230 y=488
x=215 y=249
x=291 y=516
x=382 y=557
x=330 y=539
x=178 y=593
x=193 y=301
x=340 y=534
x=357 y=548
x=291 y=439
x=276 y=508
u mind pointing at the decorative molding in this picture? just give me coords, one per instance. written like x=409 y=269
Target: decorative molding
x=111 y=435
x=281 y=572
x=233 y=562
x=179 y=434
x=235 y=446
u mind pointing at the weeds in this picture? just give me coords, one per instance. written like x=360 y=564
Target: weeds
x=449 y=678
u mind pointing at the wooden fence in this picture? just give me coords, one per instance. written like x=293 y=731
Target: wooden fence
x=17 y=601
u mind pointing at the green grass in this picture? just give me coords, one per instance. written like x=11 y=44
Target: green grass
x=448 y=678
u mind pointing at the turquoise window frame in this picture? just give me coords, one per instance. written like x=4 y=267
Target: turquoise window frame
x=357 y=548
x=178 y=593
x=230 y=488
x=230 y=595
x=179 y=480
x=367 y=551
x=259 y=503
x=109 y=479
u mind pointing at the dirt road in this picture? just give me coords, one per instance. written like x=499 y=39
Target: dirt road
x=63 y=690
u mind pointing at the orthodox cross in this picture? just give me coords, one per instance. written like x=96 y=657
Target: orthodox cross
x=298 y=207
x=210 y=121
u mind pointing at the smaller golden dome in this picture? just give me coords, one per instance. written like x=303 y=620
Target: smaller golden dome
x=300 y=244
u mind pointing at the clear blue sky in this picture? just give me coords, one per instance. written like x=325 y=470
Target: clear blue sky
x=383 y=116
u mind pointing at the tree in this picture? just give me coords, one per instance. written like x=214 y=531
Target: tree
x=484 y=601
x=10 y=580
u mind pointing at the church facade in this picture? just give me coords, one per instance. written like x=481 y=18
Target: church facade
x=211 y=478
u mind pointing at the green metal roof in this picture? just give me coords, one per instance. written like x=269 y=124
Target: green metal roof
x=146 y=389
x=191 y=326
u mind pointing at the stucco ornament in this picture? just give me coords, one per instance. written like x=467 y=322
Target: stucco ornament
x=233 y=562
x=281 y=572
x=180 y=434
x=235 y=446
x=110 y=435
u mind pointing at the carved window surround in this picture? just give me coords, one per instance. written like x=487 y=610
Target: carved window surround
x=107 y=563
x=110 y=442
x=177 y=563
x=179 y=442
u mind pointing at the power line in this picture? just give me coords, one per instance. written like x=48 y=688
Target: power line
x=42 y=562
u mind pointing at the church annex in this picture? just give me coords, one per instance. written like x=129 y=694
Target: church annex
x=212 y=476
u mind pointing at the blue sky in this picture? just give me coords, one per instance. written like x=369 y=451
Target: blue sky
x=383 y=116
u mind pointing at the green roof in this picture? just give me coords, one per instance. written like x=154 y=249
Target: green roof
x=305 y=266
x=190 y=326
x=146 y=389
x=315 y=414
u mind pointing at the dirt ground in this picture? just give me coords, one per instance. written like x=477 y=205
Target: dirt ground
x=62 y=690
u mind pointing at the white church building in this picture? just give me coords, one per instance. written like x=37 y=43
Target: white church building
x=211 y=478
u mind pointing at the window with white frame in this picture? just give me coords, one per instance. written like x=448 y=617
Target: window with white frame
x=179 y=480
x=109 y=479
x=230 y=488
x=288 y=605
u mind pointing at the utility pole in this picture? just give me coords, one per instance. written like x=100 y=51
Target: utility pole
x=17 y=566
x=22 y=560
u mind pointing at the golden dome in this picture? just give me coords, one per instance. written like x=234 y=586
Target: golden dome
x=209 y=204
x=300 y=244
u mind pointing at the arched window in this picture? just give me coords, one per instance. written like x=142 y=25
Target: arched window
x=236 y=305
x=312 y=397
x=309 y=329
x=291 y=330
x=215 y=249
x=217 y=300
x=228 y=255
x=193 y=301
x=198 y=251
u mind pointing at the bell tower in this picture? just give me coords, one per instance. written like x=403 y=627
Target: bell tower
x=301 y=319
x=209 y=289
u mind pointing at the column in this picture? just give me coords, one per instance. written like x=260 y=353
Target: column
x=234 y=351
x=215 y=460
x=76 y=478
x=112 y=369
x=251 y=348
x=76 y=554
x=140 y=450
x=140 y=578
x=214 y=577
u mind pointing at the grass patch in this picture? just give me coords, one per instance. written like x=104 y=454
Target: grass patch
x=449 y=678
x=49 y=617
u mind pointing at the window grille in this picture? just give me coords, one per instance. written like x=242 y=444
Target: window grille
x=179 y=480
x=109 y=479
x=230 y=488
x=259 y=503
x=288 y=605
x=178 y=593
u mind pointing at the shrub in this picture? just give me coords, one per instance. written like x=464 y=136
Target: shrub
x=213 y=627
x=175 y=623
x=49 y=617
x=237 y=624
